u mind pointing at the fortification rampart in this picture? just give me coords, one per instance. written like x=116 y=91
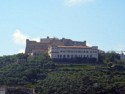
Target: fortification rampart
x=33 y=47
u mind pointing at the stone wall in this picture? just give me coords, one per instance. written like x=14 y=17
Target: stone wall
x=42 y=46
x=16 y=90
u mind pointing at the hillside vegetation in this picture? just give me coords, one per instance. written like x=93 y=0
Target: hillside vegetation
x=48 y=77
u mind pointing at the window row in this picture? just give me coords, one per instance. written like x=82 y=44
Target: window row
x=74 y=56
x=78 y=51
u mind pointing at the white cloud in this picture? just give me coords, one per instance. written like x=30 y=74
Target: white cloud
x=76 y=2
x=19 y=37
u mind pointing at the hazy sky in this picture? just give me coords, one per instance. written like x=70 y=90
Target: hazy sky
x=99 y=22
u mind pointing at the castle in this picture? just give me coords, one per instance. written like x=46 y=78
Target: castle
x=61 y=48
x=38 y=48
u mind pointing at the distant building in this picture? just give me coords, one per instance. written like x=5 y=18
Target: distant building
x=122 y=56
x=16 y=90
x=61 y=52
x=38 y=48
x=61 y=48
x=101 y=51
x=2 y=91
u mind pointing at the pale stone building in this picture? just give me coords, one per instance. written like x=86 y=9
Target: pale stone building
x=16 y=90
x=61 y=48
x=2 y=90
x=61 y=52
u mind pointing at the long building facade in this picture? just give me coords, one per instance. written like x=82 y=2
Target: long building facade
x=69 y=52
x=61 y=48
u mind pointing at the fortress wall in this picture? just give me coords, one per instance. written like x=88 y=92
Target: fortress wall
x=68 y=42
x=33 y=46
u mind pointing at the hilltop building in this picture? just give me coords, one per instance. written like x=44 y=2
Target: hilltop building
x=16 y=90
x=2 y=90
x=122 y=56
x=69 y=52
x=61 y=48
x=39 y=48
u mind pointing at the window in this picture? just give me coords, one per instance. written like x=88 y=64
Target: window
x=75 y=55
x=60 y=56
x=81 y=56
x=79 y=51
x=68 y=51
x=67 y=56
x=64 y=56
x=90 y=56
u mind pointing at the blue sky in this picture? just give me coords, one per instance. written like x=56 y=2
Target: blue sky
x=99 y=22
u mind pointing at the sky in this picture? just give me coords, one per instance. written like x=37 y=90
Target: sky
x=100 y=22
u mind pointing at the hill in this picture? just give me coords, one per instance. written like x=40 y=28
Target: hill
x=48 y=77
